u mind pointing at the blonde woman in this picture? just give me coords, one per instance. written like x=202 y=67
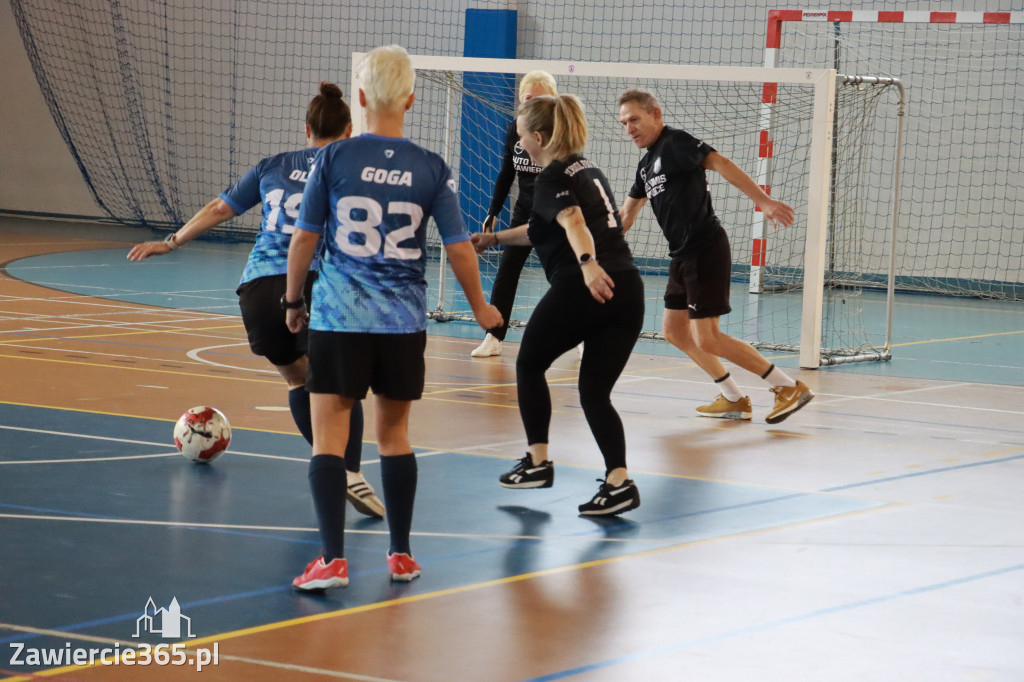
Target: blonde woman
x=596 y=297
x=516 y=165
x=370 y=197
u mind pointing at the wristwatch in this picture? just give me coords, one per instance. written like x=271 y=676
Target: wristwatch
x=289 y=305
x=171 y=244
x=586 y=258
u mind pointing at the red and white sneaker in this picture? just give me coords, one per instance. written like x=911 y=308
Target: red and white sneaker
x=320 y=576
x=403 y=567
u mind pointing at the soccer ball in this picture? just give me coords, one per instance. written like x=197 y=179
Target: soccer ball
x=202 y=434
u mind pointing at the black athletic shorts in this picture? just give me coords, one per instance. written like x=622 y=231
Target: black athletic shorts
x=700 y=281
x=260 y=301
x=349 y=363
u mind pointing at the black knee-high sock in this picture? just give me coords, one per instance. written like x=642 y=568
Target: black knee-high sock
x=298 y=401
x=328 y=482
x=398 y=475
x=354 y=447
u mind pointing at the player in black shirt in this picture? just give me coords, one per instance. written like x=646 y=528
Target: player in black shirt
x=516 y=165
x=596 y=296
x=672 y=175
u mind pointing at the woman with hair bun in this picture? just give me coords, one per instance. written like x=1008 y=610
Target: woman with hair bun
x=596 y=297
x=277 y=182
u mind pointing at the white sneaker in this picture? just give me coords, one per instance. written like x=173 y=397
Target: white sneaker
x=362 y=496
x=490 y=347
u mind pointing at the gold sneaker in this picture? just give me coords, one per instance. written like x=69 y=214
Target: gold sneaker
x=788 y=399
x=723 y=408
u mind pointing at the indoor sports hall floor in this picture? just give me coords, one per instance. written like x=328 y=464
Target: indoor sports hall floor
x=876 y=535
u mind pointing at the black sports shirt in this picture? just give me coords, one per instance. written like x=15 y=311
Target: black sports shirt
x=671 y=177
x=575 y=181
x=515 y=163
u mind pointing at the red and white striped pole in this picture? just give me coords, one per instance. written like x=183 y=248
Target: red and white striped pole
x=773 y=42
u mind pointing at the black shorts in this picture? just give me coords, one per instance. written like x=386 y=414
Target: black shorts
x=260 y=301
x=699 y=282
x=349 y=363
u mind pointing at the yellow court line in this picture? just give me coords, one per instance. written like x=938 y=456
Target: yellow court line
x=270 y=627
x=957 y=338
x=185 y=330
x=142 y=369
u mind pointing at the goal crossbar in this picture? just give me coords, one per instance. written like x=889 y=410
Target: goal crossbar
x=821 y=81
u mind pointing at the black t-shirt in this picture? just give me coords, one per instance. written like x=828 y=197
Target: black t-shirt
x=670 y=175
x=516 y=163
x=575 y=181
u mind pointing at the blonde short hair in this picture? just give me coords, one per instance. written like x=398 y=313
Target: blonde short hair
x=560 y=121
x=386 y=78
x=542 y=78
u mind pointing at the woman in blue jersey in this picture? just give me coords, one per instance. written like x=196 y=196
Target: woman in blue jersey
x=277 y=182
x=596 y=297
x=516 y=165
x=370 y=198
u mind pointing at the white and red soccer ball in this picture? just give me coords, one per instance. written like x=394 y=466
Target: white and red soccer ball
x=202 y=434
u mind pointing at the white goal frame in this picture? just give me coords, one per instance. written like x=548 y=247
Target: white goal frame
x=822 y=81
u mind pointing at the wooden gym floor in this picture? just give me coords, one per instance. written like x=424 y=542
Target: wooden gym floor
x=876 y=535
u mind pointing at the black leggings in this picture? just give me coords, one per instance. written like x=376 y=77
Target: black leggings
x=506 y=281
x=565 y=316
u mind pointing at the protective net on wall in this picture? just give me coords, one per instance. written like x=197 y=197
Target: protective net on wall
x=727 y=115
x=962 y=206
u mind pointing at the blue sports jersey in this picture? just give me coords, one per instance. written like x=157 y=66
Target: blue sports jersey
x=277 y=183
x=370 y=197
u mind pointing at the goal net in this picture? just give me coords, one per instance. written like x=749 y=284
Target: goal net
x=811 y=274
x=962 y=207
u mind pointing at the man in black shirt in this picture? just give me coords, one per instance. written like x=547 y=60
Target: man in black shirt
x=672 y=175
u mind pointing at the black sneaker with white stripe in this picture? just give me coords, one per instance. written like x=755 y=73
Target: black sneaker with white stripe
x=611 y=500
x=526 y=474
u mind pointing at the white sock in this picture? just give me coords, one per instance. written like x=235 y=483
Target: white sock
x=776 y=377
x=727 y=385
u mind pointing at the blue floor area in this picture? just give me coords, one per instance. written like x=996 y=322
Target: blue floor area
x=935 y=337
x=87 y=541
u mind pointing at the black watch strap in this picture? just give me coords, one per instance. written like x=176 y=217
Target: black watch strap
x=289 y=305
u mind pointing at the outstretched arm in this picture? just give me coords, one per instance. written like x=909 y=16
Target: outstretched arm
x=629 y=211
x=774 y=211
x=209 y=216
x=463 y=261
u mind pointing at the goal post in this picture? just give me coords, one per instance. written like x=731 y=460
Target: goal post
x=961 y=208
x=728 y=113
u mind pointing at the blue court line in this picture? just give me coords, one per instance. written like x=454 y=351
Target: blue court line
x=598 y=530
x=679 y=646
x=922 y=473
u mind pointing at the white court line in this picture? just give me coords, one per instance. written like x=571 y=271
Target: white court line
x=587 y=537
x=306 y=669
x=261 y=455
x=842 y=399
x=137 y=442
x=194 y=355
x=87 y=459
x=834 y=398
